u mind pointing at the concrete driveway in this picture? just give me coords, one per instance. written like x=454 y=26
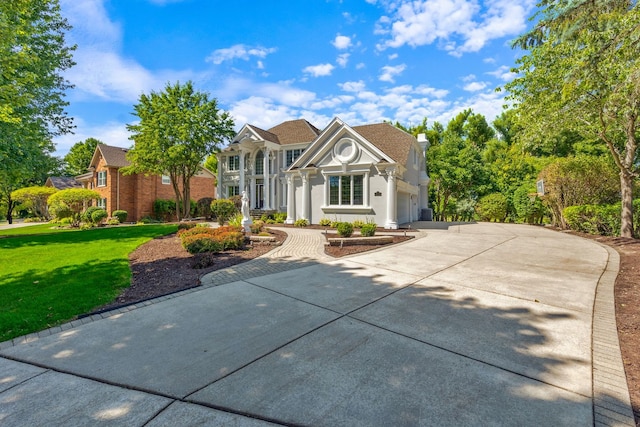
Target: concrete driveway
x=479 y=324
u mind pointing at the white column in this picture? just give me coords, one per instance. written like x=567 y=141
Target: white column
x=252 y=193
x=306 y=195
x=241 y=160
x=219 y=194
x=265 y=173
x=392 y=211
x=273 y=183
x=291 y=202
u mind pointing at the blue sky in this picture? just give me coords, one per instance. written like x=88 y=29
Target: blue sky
x=267 y=61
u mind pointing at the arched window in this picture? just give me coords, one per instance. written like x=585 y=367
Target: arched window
x=260 y=163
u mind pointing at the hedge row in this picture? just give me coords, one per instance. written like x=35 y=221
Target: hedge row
x=600 y=219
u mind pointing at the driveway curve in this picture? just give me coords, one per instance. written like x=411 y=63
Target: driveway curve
x=474 y=324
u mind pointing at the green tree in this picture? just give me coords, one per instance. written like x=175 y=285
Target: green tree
x=71 y=203
x=79 y=156
x=178 y=128
x=33 y=55
x=581 y=75
x=581 y=180
x=455 y=163
x=36 y=197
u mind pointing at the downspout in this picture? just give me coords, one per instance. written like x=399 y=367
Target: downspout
x=118 y=191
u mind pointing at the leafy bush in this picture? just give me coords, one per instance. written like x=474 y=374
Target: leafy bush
x=368 y=230
x=186 y=225
x=236 y=220
x=203 y=207
x=594 y=219
x=325 y=222
x=113 y=221
x=86 y=215
x=35 y=198
x=279 y=217
x=71 y=203
x=98 y=216
x=199 y=243
x=148 y=220
x=237 y=201
x=345 y=229
x=301 y=223
x=257 y=226
x=120 y=214
x=223 y=209
x=527 y=208
x=358 y=223
x=223 y=238
x=164 y=210
x=492 y=207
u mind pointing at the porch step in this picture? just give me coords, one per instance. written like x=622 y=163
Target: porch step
x=257 y=213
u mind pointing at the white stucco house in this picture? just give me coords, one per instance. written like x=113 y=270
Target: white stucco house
x=372 y=172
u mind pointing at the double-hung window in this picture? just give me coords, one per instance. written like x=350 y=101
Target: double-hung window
x=292 y=155
x=102 y=203
x=102 y=179
x=346 y=190
x=166 y=179
x=234 y=162
x=233 y=190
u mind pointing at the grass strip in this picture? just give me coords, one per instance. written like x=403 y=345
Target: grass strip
x=49 y=279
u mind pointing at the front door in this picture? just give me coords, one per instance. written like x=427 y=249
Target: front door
x=259 y=193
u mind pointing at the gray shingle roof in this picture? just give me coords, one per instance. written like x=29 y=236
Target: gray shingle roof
x=295 y=131
x=392 y=141
x=114 y=156
x=63 y=182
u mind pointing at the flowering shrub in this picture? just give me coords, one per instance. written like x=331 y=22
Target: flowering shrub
x=204 y=239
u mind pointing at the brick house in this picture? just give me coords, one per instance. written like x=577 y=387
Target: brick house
x=135 y=193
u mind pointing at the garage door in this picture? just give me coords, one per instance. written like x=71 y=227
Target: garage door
x=404 y=203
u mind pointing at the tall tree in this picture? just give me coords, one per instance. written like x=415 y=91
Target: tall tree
x=33 y=54
x=178 y=128
x=582 y=74
x=79 y=156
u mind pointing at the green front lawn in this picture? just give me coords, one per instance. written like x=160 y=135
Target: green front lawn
x=48 y=279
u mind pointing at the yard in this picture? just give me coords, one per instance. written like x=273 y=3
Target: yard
x=49 y=276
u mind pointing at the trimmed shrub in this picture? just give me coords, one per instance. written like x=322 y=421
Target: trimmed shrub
x=237 y=201
x=223 y=209
x=87 y=214
x=257 y=226
x=98 y=216
x=164 y=209
x=186 y=225
x=199 y=243
x=368 y=230
x=113 y=221
x=345 y=229
x=203 y=207
x=492 y=207
x=301 y=223
x=120 y=214
x=325 y=222
x=594 y=219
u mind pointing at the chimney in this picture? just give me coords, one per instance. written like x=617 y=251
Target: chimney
x=423 y=141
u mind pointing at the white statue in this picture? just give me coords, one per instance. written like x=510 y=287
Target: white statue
x=246 y=216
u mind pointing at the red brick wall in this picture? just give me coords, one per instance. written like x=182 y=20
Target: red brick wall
x=138 y=192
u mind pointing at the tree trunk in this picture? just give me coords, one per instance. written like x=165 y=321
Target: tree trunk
x=626 y=188
x=186 y=197
x=10 y=205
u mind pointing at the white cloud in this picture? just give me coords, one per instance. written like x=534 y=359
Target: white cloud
x=460 y=25
x=388 y=72
x=112 y=133
x=319 y=70
x=343 y=59
x=352 y=86
x=341 y=42
x=236 y=88
x=392 y=56
x=101 y=71
x=239 y=51
x=503 y=73
x=360 y=66
x=474 y=86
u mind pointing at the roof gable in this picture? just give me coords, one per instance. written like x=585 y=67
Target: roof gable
x=113 y=156
x=295 y=132
x=392 y=141
x=339 y=144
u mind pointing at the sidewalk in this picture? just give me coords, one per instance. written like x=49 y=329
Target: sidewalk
x=473 y=325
